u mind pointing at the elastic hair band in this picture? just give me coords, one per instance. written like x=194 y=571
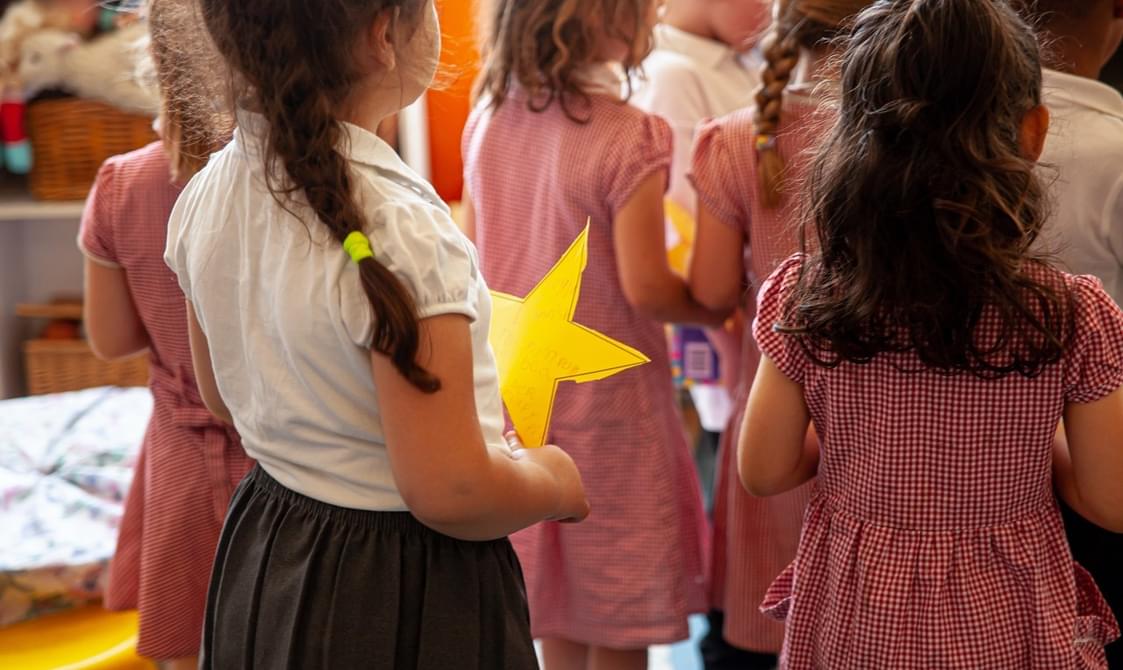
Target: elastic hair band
x=765 y=142
x=357 y=246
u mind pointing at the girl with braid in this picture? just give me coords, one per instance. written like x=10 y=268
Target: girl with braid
x=339 y=319
x=746 y=171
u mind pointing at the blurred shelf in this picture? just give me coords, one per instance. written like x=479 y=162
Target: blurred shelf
x=63 y=310
x=17 y=204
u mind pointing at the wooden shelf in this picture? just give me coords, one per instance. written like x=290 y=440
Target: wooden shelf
x=17 y=205
x=68 y=310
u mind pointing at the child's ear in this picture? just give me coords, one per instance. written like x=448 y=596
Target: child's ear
x=1034 y=130
x=381 y=40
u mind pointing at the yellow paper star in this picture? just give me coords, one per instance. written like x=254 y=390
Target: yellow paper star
x=683 y=224
x=537 y=345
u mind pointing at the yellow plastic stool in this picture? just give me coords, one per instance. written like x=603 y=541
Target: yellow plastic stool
x=89 y=638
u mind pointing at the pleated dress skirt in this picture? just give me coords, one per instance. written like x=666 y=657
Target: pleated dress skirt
x=304 y=585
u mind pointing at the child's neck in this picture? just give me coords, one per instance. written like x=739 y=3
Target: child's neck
x=1077 y=50
x=690 y=18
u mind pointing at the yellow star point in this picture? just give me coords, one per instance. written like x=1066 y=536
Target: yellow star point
x=537 y=345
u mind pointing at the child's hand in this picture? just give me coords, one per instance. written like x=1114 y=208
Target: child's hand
x=572 y=506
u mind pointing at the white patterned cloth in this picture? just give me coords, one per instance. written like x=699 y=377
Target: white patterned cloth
x=66 y=462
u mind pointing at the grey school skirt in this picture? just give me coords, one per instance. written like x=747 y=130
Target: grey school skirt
x=301 y=584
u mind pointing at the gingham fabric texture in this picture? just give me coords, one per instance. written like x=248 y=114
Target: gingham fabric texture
x=754 y=538
x=189 y=462
x=933 y=538
x=629 y=575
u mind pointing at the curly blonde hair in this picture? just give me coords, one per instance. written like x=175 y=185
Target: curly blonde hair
x=543 y=46
x=798 y=25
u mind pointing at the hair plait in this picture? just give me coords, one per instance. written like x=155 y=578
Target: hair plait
x=294 y=62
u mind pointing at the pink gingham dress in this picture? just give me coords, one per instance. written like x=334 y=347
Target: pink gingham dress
x=754 y=538
x=189 y=462
x=629 y=575
x=933 y=539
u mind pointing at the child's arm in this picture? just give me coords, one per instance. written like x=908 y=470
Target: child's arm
x=204 y=369
x=113 y=326
x=717 y=266
x=778 y=449
x=649 y=284
x=467 y=215
x=1092 y=481
x=449 y=478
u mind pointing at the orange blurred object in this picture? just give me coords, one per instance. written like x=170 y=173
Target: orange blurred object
x=450 y=101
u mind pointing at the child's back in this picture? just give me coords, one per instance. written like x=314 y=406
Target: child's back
x=934 y=359
x=934 y=523
x=535 y=179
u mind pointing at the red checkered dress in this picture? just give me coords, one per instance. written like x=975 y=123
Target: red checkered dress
x=933 y=539
x=754 y=538
x=629 y=575
x=189 y=462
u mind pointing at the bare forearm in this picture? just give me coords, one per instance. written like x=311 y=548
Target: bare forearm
x=673 y=303
x=509 y=494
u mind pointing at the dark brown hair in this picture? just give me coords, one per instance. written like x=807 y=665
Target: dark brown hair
x=924 y=206
x=193 y=122
x=295 y=63
x=544 y=45
x=798 y=24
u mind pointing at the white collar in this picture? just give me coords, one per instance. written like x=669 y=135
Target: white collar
x=707 y=52
x=360 y=146
x=1084 y=92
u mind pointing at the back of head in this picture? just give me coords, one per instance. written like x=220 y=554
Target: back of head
x=299 y=63
x=799 y=25
x=924 y=204
x=194 y=122
x=545 y=46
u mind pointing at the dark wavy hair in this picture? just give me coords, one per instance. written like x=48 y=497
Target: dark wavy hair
x=924 y=206
x=294 y=62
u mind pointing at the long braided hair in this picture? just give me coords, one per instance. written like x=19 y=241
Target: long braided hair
x=798 y=25
x=295 y=62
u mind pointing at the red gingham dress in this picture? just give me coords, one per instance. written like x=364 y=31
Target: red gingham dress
x=629 y=575
x=189 y=462
x=933 y=538
x=754 y=538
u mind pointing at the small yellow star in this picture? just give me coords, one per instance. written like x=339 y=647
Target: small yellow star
x=537 y=345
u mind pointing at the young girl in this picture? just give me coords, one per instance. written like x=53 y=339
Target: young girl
x=338 y=318
x=935 y=358
x=190 y=462
x=746 y=168
x=550 y=146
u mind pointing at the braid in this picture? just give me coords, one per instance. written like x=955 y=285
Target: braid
x=781 y=54
x=298 y=78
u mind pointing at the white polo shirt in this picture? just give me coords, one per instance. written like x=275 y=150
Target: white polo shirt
x=688 y=79
x=1085 y=145
x=288 y=323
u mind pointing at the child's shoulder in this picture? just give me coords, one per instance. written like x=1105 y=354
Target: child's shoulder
x=146 y=164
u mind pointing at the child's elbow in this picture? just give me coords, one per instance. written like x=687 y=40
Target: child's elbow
x=116 y=348
x=443 y=504
x=1105 y=514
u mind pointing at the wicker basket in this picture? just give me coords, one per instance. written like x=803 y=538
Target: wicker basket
x=71 y=137
x=55 y=366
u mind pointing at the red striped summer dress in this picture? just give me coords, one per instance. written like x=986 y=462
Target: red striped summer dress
x=189 y=463
x=754 y=538
x=933 y=538
x=628 y=576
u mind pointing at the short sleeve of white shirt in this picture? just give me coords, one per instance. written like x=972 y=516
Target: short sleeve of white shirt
x=429 y=257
